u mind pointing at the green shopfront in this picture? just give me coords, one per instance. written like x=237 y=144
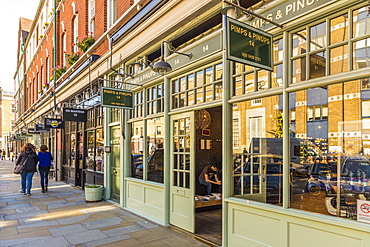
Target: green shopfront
x=291 y=143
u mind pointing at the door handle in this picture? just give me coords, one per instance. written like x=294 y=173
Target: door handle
x=115 y=172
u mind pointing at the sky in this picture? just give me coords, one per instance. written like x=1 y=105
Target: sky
x=10 y=12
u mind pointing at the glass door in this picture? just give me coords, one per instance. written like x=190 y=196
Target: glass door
x=182 y=172
x=115 y=162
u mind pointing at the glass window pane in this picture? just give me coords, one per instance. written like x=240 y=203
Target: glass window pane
x=182 y=97
x=175 y=86
x=183 y=85
x=90 y=164
x=361 y=22
x=317 y=65
x=249 y=83
x=191 y=97
x=218 y=69
x=191 y=82
x=238 y=68
x=263 y=80
x=209 y=93
x=99 y=158
x=331 y=152
x=339 y=29
x=299 y=43
x=155 y=145
x=199 y=78
x=318 y=36
x=238 y=85
x=137 y=149
x=209 y=75
x=218 y=90
x=298 y=70
x=277 y=76
x=199 y=93
x=257 y=170
x=278 y=50
x=339 y=59
x=361 y=54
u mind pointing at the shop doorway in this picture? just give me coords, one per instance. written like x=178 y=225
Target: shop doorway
x=115 y=167
x=208 y=153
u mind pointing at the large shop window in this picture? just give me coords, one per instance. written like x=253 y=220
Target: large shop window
x=147 y=136
x=257 y=151
x=331 y=173
x=201 y=86
x=316 y=53
x=147 y=149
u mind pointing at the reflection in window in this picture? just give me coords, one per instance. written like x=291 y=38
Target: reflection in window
x=338 y=155
x=155 y=145
x=137 y=149
x=317 y=65
x=196 y=88
x=339 y=59
x=361 y=22
x=257 y=170
x=339 y=29
x=318 y=36
x=361 y=54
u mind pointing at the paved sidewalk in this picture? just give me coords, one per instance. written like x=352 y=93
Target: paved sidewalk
x=61 y=217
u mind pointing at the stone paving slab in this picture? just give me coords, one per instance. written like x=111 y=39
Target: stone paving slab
x=21 y=241
x=85 y=237
x=102 y=223
x=65 y=230
x=48 y=242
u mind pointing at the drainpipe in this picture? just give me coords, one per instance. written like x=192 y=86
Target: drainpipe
x=24 y=79
x=55 y=85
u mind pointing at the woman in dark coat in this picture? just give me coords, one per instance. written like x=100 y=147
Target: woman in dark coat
x=45 y=159
x=28 y=155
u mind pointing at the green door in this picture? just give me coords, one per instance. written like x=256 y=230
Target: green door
x=182 y=172
x=115 y=162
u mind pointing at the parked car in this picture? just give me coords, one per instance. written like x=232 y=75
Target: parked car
x=354 y=182
x=137 y=161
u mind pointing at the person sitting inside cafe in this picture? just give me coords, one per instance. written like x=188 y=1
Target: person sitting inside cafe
x=208 y=177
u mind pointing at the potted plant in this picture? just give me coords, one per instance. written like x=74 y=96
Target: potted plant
x=86 y=42
x=72 y=58
x=59 y=71
x=93 y=193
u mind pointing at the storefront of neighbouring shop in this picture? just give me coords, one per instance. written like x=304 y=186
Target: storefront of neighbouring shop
x=290 y=144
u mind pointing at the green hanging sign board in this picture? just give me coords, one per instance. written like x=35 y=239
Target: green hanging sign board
x=248 y=45
x=118 y=98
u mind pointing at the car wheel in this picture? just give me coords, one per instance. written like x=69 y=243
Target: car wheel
x=314 y=189
x=331 y=206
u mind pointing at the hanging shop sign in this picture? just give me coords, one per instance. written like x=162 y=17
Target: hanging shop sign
x=25 y=134
x=40 y=128
x=32 y=131
x=248 y=45
x=74 y=115
x=118 y=98
x=18 y=136
x=53 y=123
x=287 y=11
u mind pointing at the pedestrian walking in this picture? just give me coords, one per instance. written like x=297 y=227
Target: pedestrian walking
x=11 y=154
x=28 y=157
x=3 y=153
x=45 y=159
